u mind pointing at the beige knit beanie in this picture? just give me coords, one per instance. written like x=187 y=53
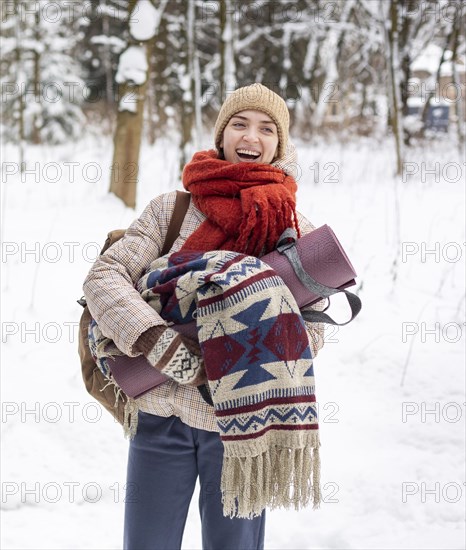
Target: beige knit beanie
x=257 y=97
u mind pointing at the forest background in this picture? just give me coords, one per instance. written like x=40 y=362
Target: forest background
x=139 y=70
x=102 y=103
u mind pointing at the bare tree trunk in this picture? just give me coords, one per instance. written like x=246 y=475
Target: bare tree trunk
x=404 y=74
x=35 y=131
x=197 y=101
x=151 y=100
x=127 y=140
x=459 y=106
x=127 y=143
x=21 y=78
x=108 y=71
x=222 y=22
x=306 y=103
x=397 y=122
x=195 y=72
x=394 y=85
x=188 y=103
x=157 y=67
x=333 y=45
x=227 y=55
x=286 y=65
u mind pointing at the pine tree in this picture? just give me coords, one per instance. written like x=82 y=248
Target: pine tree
x=42 y=79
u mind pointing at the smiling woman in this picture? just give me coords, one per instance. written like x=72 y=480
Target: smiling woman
x=235 y=432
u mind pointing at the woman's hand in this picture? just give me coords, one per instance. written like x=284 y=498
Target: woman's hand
x=173 y=354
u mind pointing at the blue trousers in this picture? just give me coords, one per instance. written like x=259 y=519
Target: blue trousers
x=165 y=458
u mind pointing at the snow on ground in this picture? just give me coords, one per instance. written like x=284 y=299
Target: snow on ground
x=390 y=385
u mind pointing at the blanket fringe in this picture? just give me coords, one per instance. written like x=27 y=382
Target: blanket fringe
x=130 y=422
x=131 y=409
x=280 y=477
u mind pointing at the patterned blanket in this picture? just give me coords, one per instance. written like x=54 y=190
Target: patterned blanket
x=259 y=369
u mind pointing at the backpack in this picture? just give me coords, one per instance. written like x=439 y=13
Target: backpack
x=113 y=399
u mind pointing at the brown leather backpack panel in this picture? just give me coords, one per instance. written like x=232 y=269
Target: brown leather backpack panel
x=94 y=380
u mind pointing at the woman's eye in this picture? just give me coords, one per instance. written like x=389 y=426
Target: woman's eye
x=238 y=124
x=269 y=130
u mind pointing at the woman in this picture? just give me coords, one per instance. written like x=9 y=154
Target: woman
x=242 y=200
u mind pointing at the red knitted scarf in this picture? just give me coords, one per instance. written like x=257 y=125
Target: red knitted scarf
x=248 y=205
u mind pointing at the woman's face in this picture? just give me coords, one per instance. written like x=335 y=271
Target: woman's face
x=250 y=136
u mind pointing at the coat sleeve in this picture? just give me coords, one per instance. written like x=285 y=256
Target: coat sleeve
x=315 y=330
x=110 y=286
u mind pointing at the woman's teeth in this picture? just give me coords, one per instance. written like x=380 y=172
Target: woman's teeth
x=248 y=154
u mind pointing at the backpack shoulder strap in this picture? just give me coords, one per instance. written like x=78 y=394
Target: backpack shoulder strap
x=112 y=237
x=176 y=221
x=179 y=212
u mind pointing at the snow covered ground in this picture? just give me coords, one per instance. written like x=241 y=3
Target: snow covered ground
x=390 y=385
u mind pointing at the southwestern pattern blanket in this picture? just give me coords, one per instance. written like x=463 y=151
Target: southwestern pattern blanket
x=259 y=368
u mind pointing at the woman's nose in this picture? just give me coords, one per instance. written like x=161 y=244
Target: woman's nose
x=251 y=135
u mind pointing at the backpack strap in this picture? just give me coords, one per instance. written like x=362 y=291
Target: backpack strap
x=176 y=221
x=179 y=212
x=287 y=246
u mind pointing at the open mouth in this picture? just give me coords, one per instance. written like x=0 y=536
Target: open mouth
x=248 y=154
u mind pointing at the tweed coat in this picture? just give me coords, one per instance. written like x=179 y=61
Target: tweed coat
x=122 y=315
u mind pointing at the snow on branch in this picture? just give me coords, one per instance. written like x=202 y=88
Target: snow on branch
x=145 y=19
x=111 y=41
x=132 y=67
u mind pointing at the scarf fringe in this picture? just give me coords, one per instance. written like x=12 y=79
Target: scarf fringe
x=278 y=477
